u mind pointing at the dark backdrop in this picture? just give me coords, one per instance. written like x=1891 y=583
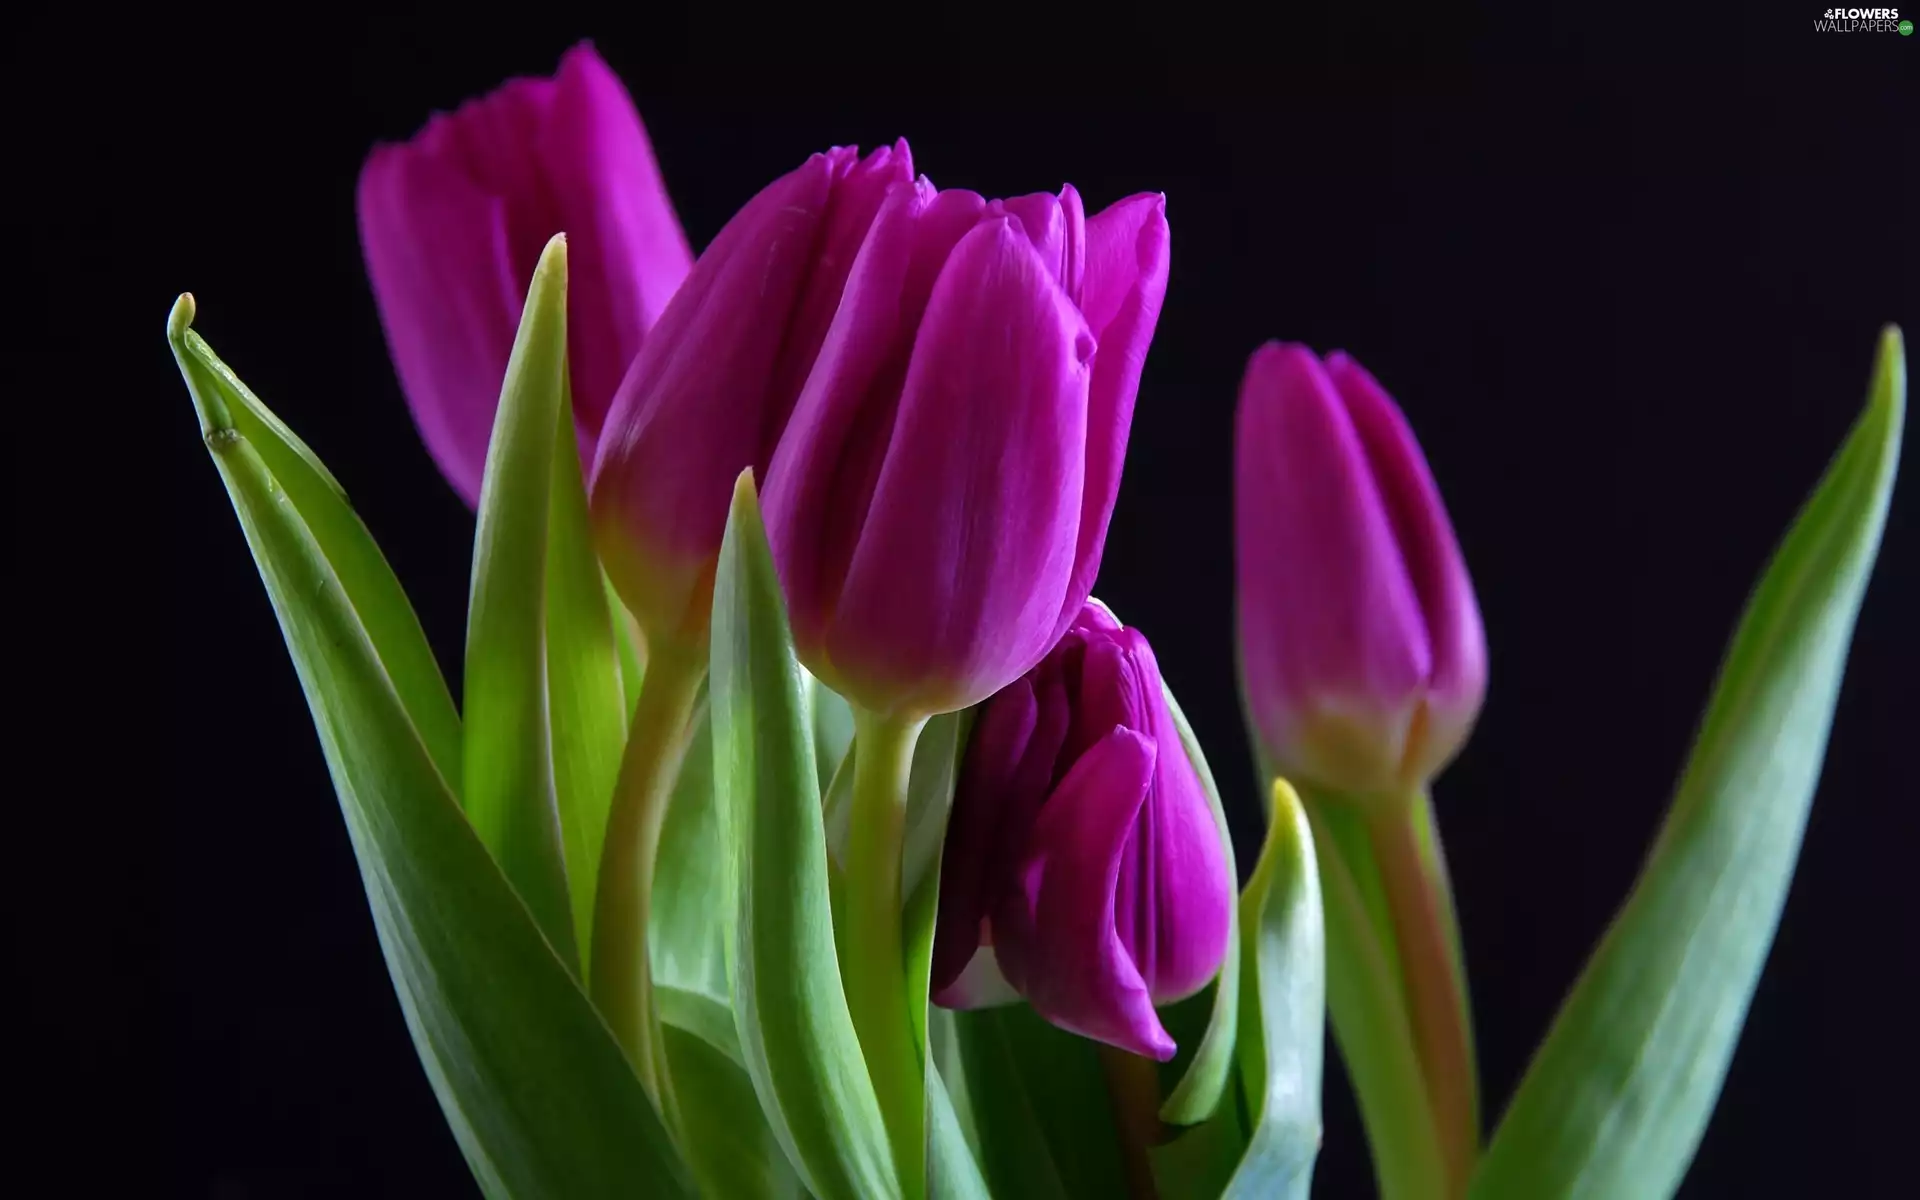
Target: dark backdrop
x=1629 y=306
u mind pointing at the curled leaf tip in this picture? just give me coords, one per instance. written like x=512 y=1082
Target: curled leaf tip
x=744 y=490
x=181 y=318
x=1285 y=801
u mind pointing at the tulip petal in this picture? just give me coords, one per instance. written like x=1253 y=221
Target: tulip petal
x=1434 y=564
x=438 y=255
x=995 y=750
x=1057 y=228
x=1175 y=898
x=690 y=415
x=860 y=187
x=628 y=252
x=1124 y=286
x=828 y=461
x=1055 y=936
x=963 y=563
x=1328 y=614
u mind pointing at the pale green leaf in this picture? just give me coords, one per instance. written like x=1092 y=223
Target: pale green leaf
x=538 y=1094
x=686 y=940
x=734 y=1154
x=376 y=596
x=587 y=709
x=1284 y=1024
x=796 y=1035
x=1618 y=1096
x=510 y=786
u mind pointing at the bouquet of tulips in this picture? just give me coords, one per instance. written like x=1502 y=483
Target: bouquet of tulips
x=805 y=825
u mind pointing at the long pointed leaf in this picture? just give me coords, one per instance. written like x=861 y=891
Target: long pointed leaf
x=391 y=624
x=796 y=1035
x=537 y=1093
x=1618 y=1096
x=586 y=704
x=510 y=788
x=1282 y=1035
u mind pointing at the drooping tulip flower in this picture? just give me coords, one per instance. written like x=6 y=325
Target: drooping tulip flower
x=1362 y=656
x=939 y=502
x=711 y=390
x=1082 y=858
x=453 y=221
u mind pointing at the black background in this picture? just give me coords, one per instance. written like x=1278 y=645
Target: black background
x=1627 y=294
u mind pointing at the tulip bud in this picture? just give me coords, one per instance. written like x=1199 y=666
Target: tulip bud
x=453 y=222
x=939 y=502
x=1082 y=857
x=712 y=389
x=1362 y=657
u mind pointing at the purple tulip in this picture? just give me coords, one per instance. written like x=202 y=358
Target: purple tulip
x=938 y=505
x=713 y=387
x=453 y=222
x=1082 y=857
x=1362 y=655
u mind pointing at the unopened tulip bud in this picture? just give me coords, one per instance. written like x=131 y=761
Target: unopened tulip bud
x=711 y=391
x=1362 y=656
x=453 y=221
x=1082 y=856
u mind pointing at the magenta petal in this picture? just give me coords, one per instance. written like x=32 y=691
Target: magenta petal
x=626 y=252
x=692 y=412
x=828 y=461
x=1125 y=283
x=1175 y=898
x=1055 y=936
x=994 y=751
x=859 y=190
x=438 y=255
x=961 y=572
x=1434 y=564
x=1330 y=625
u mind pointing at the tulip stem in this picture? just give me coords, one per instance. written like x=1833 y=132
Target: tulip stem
x=875 y=964
x=621 y=981
x=1133 y=1088
x=1420 y=908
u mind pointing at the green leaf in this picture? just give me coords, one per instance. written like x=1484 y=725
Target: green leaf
x=1198 y=1092
x=735 y=1153
x=1366 y=1002
x=1284 y=1027
x=832 y=729
x=1199 y=1162
x=796 y=1035
x=511 y=794
x=1041 y=1108
x=952 y=1170
x=538 y=1094
x=376 y=596
x=587 y=707
x=686 y=940
x=1619 y=1094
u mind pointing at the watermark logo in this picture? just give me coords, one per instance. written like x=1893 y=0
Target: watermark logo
x=1863 y=20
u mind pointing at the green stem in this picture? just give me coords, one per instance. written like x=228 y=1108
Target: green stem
x=1371 y=1026
x=875 y=969
x=1419 y=907
x=1133 y=1088
x=621 y=975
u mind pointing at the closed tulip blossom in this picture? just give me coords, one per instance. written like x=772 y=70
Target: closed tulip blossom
x=453 y=221
x=1362 y=654
x=1082 y=857
x=939 y=503
x=710 y=393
